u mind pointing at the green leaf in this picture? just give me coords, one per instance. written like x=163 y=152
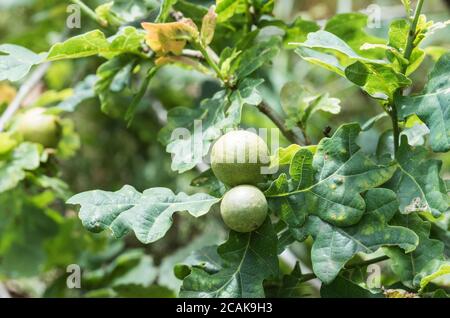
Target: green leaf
x=7 y=143
x=374 y=76
x=291 y=285
x=298 y=30
x=226 y=9
x=248 y=259
x=24 y=230
x=350 y=28
x=417 y=182
x=398 y=38
x=214 y=234
x=16 y=61
x=131 y=267
x=164 y=10
x=379 y=81
x=82 y=91
x=148 y=214
x=342 y=287
x=256 y=56
x=205 y=258
x=113 y=77
x=425 y=260
x=326 y=40
x=416 y=134
x=431 y=106
x=373 y=120
x=198 y=128
x=443 y=270
x=398 y=34
x=90 y=43
x=283 y=156
x=407 y=5
x=334 y=246
x=201 y=126
x=24 y=158
x=341 y=172
x=299 y=104
x=127 y=40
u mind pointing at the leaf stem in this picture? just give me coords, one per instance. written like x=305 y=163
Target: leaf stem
x=278 y=121
x=407 y=55
x=211 y=63
x=140 y=94
x=89 y=12
x=395 y=127
x=412 y=34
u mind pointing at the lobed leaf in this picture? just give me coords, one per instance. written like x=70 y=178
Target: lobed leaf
x=190 y=132
x=148 y=215
x=127 y=40
x=13 y=167
x=417 y=182
x=16 y=61
x=247 y=259
x=416 y=268
x=431 y=106
x=341 y=172
x=334 y=246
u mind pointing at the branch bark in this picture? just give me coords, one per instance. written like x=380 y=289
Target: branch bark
x=279 y=122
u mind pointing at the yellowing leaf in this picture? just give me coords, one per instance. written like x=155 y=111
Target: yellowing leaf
x=171 y=37
x=7 y=93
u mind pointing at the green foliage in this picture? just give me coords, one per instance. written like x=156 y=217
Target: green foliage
x=16 y=61
x=431 y=106
x=236 y=277
x=417 y=182
x=334 y=246
x=163 y=80
x=13 y=166
x=148 y=214
x=328 y=185
x=425 y=260
x=128 y=40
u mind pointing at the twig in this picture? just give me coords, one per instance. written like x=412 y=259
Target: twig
x=278 y=121
x=23 y=92
x=193 y=53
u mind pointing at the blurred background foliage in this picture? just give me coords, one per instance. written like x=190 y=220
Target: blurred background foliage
x=111 y=154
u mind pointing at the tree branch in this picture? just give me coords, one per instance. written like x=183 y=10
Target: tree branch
x=23 y=92
x=279 y=122
x=407 y=55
